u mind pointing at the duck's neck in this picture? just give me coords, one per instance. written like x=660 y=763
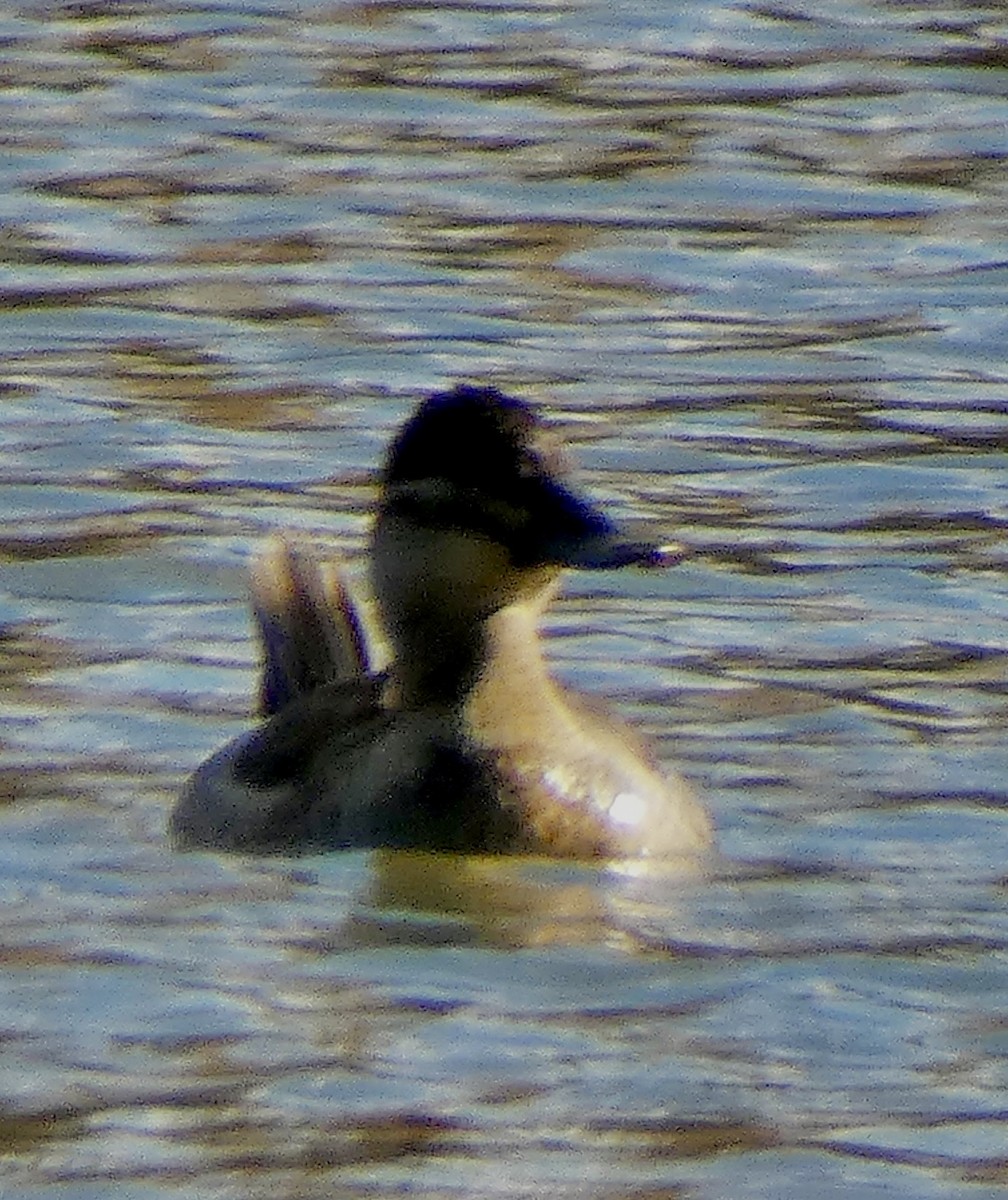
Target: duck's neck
x=512 y=640
x=450 y=602
x=437 y=662
x=515 y=699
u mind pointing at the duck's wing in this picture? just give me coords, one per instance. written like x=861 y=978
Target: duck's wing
x=257 y=792
x=308 y=624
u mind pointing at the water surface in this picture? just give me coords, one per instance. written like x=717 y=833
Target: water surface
x=752 y=262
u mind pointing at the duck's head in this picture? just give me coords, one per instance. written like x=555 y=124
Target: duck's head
x=475 y=515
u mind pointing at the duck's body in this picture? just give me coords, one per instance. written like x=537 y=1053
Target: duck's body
x=466 y=743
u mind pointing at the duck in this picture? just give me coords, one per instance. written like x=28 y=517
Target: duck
x=465 y=742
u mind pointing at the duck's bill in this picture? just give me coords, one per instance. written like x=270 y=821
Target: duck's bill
x=671 y=554
x=572 y=532
x=607 y=553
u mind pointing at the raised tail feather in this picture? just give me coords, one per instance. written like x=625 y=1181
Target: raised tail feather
x=310 y=629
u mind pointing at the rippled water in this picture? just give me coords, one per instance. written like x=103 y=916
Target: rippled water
x=753 y=261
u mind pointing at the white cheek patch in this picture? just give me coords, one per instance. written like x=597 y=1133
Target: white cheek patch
x=628 y=809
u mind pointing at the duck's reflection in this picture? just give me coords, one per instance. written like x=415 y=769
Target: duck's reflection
x=422 y=899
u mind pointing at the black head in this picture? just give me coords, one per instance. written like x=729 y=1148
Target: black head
x=471 y=461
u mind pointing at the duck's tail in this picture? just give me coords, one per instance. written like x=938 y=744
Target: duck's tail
x=310 y=629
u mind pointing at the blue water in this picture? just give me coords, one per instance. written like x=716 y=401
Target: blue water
x=750 y=262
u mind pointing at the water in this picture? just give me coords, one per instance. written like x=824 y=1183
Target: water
x=751 y=261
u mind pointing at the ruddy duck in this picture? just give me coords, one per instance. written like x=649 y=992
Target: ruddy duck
x=465 y=743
